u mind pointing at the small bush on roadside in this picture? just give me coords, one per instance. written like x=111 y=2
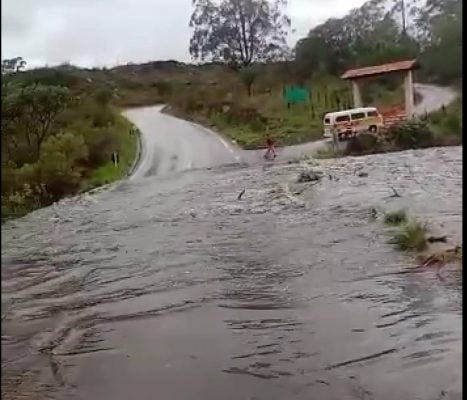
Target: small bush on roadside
x=364 y=143
x=411 y=237
x=411 y=135
x=447 y=124
x=58 y=166
x=24 y=194
x=91 y=111
x=17 y=204
x=452 y=123
x=103 y=116
x=101 y=143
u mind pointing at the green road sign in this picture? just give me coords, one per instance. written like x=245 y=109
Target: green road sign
x=296 y=94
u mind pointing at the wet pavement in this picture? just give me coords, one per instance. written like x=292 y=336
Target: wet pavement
x=169 y=287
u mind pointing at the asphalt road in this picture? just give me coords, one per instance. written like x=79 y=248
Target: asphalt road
x=172 y=145
x=433 y=97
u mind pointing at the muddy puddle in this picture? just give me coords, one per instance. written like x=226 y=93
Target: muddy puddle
x=172 y=288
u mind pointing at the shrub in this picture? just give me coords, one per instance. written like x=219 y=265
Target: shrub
x=245 y=115
x=72 y=146
x=435 y=117
x=104 y=96
x=163 y=88
x=19 y=203
x=49 y=76
x=9 y=180
x=364 y=143
x=26 y=192
x=103 y=116
x=452 y=123
x=411 y=237
x=411 y=135
x=101 y=143
x=89 y=110
x=59 y=165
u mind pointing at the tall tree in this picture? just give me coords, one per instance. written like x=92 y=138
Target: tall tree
x=239 y=32
x=11 y=65
x=32 y=110
x=441 y=24
x=248 y=76
x=368 y=35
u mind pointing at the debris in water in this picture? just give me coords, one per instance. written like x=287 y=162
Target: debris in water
x=239 y=197
x=443 y=257
x=357 y=168
x=437 y=239
x=395 y=194
x=308 y=176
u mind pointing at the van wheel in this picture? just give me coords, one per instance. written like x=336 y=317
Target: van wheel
x=373 y=128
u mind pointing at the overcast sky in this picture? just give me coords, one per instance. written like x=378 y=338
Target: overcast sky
x=107 y=32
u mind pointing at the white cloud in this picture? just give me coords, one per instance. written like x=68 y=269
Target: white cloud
x=104 y=32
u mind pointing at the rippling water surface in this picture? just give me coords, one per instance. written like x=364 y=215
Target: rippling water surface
x=171 y=288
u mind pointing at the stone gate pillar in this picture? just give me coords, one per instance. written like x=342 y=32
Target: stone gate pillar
x=409 y=94
x=357 y=96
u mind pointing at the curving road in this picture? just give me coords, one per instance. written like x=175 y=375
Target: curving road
x=433 y=97
x=173 y=145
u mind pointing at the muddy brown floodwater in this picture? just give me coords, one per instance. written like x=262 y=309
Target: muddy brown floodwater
x=170 y=288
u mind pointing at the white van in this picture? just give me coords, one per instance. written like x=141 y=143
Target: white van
x=349 y=123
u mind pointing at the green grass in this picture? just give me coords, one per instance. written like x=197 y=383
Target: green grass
x=108 y=173
x=288 y=126
x=447 y=125
x=395 y=217
x=298 y=124
x=412 y=236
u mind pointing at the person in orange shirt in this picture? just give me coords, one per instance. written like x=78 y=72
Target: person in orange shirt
x=270 y=147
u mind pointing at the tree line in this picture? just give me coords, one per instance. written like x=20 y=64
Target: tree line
x=242 y=33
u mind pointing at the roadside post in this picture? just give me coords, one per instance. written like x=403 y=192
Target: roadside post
x=115 y=158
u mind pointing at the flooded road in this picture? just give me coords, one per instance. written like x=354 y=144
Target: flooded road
x=170 y=287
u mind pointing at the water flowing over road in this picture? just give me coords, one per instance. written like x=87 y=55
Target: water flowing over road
x=167 y=286
x=433 y=97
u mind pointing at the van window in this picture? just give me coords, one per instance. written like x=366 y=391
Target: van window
x=372 y=113
x=359 y=115
x=327 y=121
x=343 y=118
